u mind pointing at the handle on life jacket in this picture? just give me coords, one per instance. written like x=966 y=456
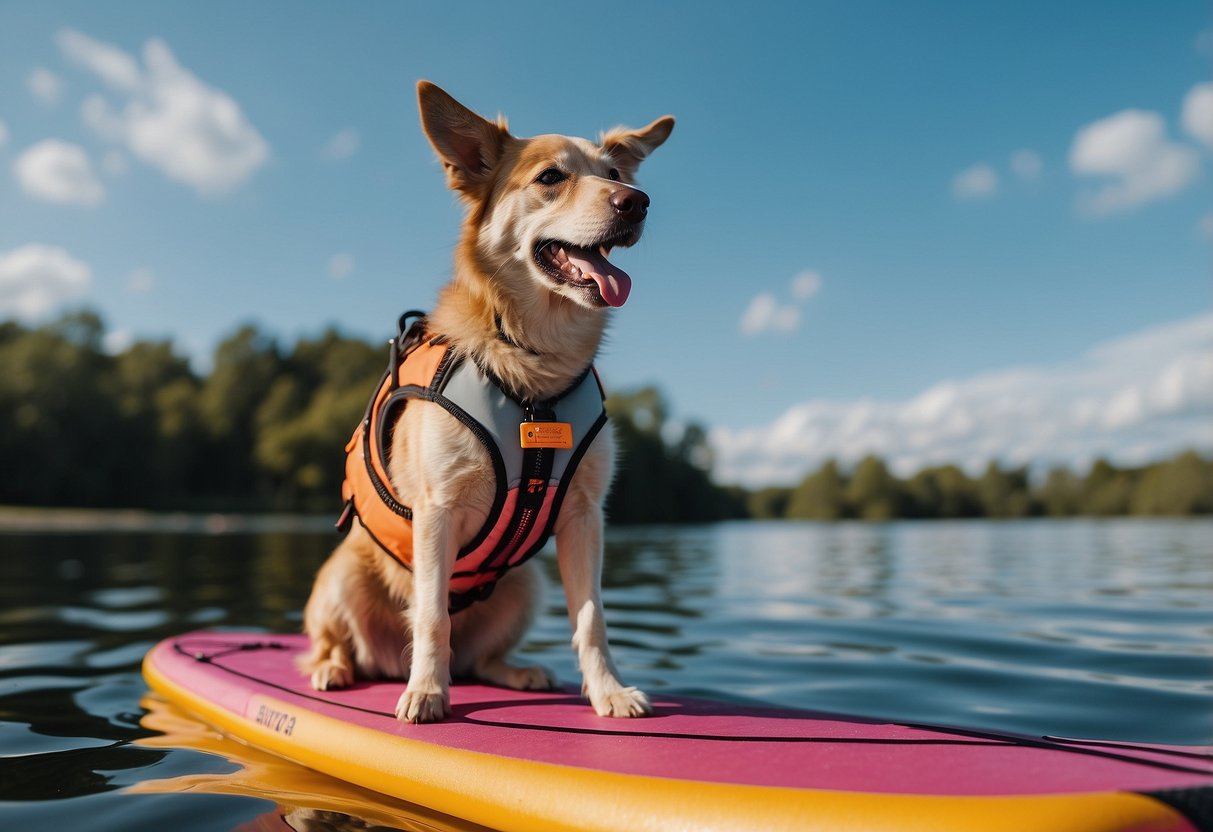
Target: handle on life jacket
x=402 y=323
x=407 y=336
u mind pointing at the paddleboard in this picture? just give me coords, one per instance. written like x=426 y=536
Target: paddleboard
x=528 y=761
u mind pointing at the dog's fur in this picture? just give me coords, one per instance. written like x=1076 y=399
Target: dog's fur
x=367 y=617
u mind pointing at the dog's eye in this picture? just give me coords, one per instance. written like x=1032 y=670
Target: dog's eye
x=614 y=174
x=551 y=176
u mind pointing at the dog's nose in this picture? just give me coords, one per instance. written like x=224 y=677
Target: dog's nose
x=632 y=205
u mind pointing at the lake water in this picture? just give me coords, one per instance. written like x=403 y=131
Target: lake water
x=1078 y=628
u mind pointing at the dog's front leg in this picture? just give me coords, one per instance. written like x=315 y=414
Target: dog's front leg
x=427 y=697
x=579 y=553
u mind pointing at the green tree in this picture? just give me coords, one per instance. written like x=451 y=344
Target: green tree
x=820 y=496
x=245 y=367
x=768 y=503
x=872 y=492
x=64 y=443
x=1180 y=486
x=157 y=397
x=1061 y=493
x=658 y=481
x=1004 y=493
x=639 y=493
x=1106 y=491
x=943 y=491
x=308 y=415
x=690 y=461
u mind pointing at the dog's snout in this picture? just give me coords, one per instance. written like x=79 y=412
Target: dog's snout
x=632 y=204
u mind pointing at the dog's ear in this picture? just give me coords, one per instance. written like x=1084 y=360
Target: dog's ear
x=630 y=147
x=468 y=145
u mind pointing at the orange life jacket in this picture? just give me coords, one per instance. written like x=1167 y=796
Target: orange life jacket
x=530 y=481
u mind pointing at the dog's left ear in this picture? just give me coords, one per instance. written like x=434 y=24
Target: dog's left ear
x=630 y=147
x=468 y=145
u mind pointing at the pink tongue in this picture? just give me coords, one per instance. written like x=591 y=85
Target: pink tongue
x=613 y=282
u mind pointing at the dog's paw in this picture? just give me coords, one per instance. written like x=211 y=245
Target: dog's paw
x=503 y=674
x=423 y=706
x=622 y=702
x=331 y=676
x=533 y=677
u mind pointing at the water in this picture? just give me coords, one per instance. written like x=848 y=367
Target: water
x=1079 y=628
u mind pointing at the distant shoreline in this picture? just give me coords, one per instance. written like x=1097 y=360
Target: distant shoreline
x=68 y=520
x=30 y=520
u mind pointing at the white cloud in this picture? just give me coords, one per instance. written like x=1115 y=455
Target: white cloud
x=170 y=119
x=979 y=181
x=766 y=314
x=1133 y=399
x=55 y=171
x=343 y=145
x=341 y=266
x=1197 y=116
x=1132 y=149
x=1026 y=164
x=805 y=285
x=140 y=281
x=100 y=117
x=114 y=163
x=116 y=68
x=36 y=278
x=3 y=134
x=45 y=86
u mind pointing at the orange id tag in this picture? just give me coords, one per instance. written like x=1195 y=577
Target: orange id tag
x=545 y=435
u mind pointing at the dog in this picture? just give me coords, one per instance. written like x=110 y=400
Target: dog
x=526 y=307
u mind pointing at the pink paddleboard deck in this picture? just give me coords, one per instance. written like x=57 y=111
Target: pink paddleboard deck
x=253 y=677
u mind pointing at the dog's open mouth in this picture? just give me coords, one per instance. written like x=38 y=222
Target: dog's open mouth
x=585 y=267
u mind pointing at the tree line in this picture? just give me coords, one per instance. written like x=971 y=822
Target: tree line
x=264 y=428
x=1180 y=486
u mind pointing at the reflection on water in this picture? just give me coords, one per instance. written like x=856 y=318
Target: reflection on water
x=1078 y=628
x=303 y=799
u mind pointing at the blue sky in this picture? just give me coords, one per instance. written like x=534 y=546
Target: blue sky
x=867 y=211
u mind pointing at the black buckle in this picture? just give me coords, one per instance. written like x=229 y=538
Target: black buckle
x=542 y=412
x=462 y=600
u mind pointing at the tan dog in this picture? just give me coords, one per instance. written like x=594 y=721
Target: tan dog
x=527 y=303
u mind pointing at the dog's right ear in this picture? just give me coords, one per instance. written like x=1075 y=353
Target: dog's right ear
x=468 y=145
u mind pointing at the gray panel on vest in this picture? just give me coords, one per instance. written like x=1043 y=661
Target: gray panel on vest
x=474 y=393
x=581 y=408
